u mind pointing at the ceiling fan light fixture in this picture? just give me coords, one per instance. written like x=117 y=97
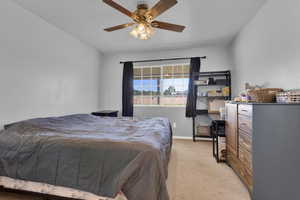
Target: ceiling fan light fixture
x=142 y=28
x=134 y=32
x=150 y=31
x=142 y=31
x=144 y=18
x=144 y=36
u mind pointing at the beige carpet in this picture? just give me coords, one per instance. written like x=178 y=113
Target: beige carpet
x=193 y=175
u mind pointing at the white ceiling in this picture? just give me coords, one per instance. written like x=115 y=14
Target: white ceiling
x=206 y=21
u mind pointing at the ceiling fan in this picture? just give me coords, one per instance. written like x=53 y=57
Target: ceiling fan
x=143 y=18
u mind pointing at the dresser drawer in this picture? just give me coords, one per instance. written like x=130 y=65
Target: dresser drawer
x=245 y=110
x=246 y=158
x=241 y=170
x=245 y=140
x=233 y=161
x=247 y=178
x=245 y=124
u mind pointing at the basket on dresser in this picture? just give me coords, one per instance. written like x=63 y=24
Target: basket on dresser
x=263 y=95
x=291 y=96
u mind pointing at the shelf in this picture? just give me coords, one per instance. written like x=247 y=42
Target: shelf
x=225 y=97
x=202 y=136
x=214 y=112
x=203 y=83
x=225 y=85
x=212 y=73
x=201 y=112
x=204 y=120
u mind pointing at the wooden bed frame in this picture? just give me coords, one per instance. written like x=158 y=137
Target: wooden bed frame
x=48 y=191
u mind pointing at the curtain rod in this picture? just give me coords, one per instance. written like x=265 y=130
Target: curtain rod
x=164 y=59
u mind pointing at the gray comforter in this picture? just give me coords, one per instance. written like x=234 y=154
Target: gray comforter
x=89 y=153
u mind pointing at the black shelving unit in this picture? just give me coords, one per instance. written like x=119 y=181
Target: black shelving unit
x=202 y=115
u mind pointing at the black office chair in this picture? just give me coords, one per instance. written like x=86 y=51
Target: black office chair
x=217 y=129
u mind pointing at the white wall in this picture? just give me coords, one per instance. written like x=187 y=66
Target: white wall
x=267 y=50
x=219 y=58
x=43 y=70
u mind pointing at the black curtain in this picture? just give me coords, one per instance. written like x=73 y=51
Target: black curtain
x=127 y=93
x=191 y=104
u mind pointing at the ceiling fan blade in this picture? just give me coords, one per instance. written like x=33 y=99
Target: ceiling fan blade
x=114 y=28
x=161 y=7
x=167 y=26
x=119 y=8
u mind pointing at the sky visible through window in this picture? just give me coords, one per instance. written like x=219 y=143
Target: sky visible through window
x=151 y=85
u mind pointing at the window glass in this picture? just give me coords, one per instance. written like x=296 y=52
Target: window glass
x=163 y=85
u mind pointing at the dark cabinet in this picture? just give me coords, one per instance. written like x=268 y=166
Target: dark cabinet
x=106 y=113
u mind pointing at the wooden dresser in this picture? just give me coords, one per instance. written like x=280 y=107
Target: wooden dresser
x=262 y=141
x=239 y=141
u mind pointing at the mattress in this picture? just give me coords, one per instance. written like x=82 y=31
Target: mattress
x=100 y=156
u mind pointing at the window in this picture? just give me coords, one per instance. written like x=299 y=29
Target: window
x=161 y=85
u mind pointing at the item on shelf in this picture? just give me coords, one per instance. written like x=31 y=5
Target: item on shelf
x=221 y=82
x=244 y=97
x=202 y=94
x=211 y=81
x=263 y=95
x=223 y=155
x=214 y=105
x=211 y=93
x=201 y=82
x=253 y=87
x=225 y=91
x=290 y=96
x=214 y=93
x=203 y=131
x=222 y=112
x=237 y=99
x=202 y=104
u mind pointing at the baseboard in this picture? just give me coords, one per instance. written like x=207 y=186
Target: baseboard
x=190 y=138
x=182 y=138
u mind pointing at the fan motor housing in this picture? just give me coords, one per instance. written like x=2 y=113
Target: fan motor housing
x=142 y=6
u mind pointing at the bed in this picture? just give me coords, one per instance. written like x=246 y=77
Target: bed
x=87 y=157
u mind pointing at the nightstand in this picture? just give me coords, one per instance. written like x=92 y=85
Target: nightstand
x=106 y=113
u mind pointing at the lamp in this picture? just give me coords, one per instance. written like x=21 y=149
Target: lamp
x=142 y=31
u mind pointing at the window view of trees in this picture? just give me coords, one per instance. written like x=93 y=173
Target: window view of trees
x=170 y=91
x=164 y=85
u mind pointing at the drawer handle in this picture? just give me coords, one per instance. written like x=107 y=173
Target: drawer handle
x=243 y=124
x=244 y=110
